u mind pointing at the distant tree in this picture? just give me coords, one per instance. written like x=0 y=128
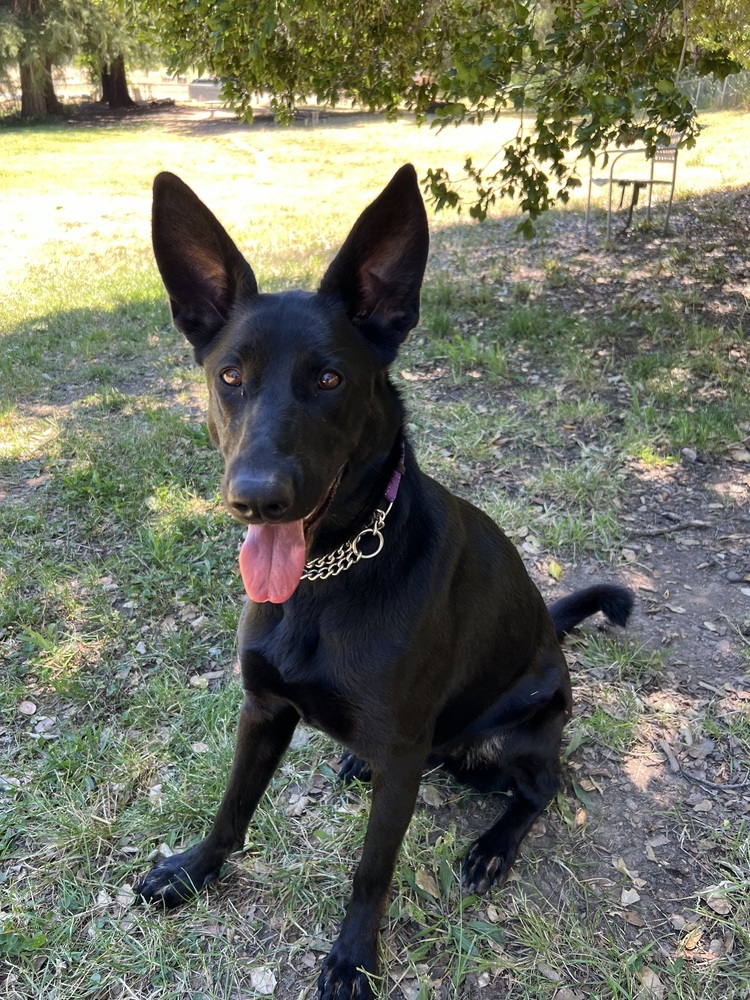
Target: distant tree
x=585 y=74
x=110 y=41
x=114 y=83
x=37 y=35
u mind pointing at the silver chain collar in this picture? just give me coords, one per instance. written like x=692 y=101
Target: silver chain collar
x=346 y=555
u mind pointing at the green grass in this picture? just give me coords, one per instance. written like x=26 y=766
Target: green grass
x=119 y=593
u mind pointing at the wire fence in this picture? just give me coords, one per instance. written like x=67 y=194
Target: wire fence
x=708 y=94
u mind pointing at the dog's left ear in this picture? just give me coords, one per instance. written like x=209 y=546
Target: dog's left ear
x=378 y=271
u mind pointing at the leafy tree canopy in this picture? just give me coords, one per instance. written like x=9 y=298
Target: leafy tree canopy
x=108 y=33
x=584 y=75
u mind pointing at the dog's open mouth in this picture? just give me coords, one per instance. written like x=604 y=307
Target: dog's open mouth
x=272 y=557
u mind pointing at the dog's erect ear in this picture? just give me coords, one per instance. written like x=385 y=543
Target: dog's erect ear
x=378 y=271
x=202 y=270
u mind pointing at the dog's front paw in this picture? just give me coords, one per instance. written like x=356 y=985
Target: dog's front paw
x=174 y=880
x=343 y=979
x=351 y=768
x=487 y=863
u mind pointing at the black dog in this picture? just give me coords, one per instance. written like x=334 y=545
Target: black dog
x=383 y=609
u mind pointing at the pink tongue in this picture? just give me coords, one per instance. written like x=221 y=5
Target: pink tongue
x=272 y=560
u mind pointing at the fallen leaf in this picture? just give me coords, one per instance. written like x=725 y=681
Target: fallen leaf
x=44 y=723
x=659 y=841
x=548 y=973
x=125 y=896
x=652 y=985
x=426 y=882
x=716 y=948
x=740 y=454
x=156 y=796
x=431 y=796
x=297 y=805
x=719 y=904
x=692 y=940
x=676 y=609
x=629 y=897
x=554 y=569
x=27 y=708
x=634 y=919
x=263 y=981
x=620 y=866
x=703 y=807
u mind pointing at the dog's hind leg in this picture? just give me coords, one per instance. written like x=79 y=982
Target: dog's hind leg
x=263 y=736
x=528 y=773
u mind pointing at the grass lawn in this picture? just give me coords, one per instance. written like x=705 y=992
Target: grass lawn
x=555 y=383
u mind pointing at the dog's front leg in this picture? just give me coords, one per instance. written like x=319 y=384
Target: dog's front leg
x=394 y=791
x=263 y=736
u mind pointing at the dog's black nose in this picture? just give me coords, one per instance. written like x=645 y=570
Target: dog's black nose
x=259 y=498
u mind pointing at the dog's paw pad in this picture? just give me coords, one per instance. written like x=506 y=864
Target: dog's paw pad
x=484 y=868
x=351 y=768
x=343 y=981
x=347 y=975
x=174 y=880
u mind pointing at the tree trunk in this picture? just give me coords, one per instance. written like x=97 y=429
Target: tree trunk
x=33 y=103
x=118 y=94
x=51 y=103
x=106 y=85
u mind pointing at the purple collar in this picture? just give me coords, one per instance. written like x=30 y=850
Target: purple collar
x=394 y=482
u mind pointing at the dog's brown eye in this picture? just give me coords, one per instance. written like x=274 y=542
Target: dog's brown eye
x=329 y=380
x=231 y=376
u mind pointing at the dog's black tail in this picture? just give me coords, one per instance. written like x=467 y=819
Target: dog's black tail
x=614 y=602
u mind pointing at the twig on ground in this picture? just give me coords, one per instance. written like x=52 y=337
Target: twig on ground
x=669 y=528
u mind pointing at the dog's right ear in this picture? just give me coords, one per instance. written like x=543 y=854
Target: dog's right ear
x=203 y=271
x=378 y=271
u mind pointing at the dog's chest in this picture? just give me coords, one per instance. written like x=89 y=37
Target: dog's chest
x=299 y=666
